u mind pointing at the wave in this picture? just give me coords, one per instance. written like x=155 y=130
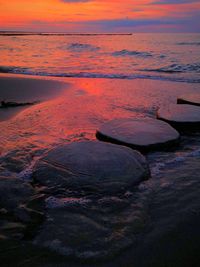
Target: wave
x=125 y=52
x=189 y=43
x=17 y=70
x=177 y=68
x=78 y=47
x=27 y=71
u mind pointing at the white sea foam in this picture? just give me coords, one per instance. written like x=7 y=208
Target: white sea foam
x=54 y=202
x=128 y=76
x=26 y=174
x=159 y=166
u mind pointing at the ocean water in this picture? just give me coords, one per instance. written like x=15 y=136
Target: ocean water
x=118 y=76
x=174 y=57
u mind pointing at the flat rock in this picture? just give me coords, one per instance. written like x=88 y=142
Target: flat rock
x=182 y=117
x=91 y=166
x=192 y=99
x=142 y=134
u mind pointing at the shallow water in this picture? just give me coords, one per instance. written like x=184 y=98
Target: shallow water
x=148 y=212
x=173 y=57
x=81 y=109
x=20 y=90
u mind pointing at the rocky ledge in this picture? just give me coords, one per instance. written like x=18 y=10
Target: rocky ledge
x=182 y=117
x=143 y=134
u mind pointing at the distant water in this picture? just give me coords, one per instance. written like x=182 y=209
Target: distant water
x=174 y=57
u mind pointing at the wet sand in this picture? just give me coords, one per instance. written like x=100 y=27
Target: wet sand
x=22 y=89
x=168 y=203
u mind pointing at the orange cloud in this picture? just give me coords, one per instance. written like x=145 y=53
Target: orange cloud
x=22 y=13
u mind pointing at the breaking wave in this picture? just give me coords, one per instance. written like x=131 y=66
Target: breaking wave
x=189 y=43
x=19 y=70
x=77 y=47
x=177 y=68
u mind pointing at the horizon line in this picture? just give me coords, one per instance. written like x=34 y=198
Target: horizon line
x=12 y=32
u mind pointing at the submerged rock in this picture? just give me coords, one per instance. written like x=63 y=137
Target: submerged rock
x=192 y=99
x=15 y=104
x=95 y=219
x=182 y=117
x=14 y=192
x=96 y=230
x=14 y=195
x=91 y=166
x=17 y=204
x=141 y=134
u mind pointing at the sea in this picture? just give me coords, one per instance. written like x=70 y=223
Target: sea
x=174 y=57
x=108 y=76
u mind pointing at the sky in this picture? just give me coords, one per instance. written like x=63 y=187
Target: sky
x=118 y=16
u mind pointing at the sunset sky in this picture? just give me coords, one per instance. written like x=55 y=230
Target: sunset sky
x=101 y=15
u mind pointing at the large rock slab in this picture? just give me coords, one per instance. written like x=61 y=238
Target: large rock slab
x=136 y=225
x=192 y=99
x=182 y=117
x=142 y=134
x=92 y=217
x=91 y=166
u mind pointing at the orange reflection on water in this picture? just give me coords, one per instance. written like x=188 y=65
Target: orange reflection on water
x=86 y=104
x=76 y=114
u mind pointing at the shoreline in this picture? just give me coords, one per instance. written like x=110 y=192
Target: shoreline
x=35 y=88
x=156 y=77
x=31 y=89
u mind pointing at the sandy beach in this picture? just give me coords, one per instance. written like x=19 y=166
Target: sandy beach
x=162 y=212
x=22 y=89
